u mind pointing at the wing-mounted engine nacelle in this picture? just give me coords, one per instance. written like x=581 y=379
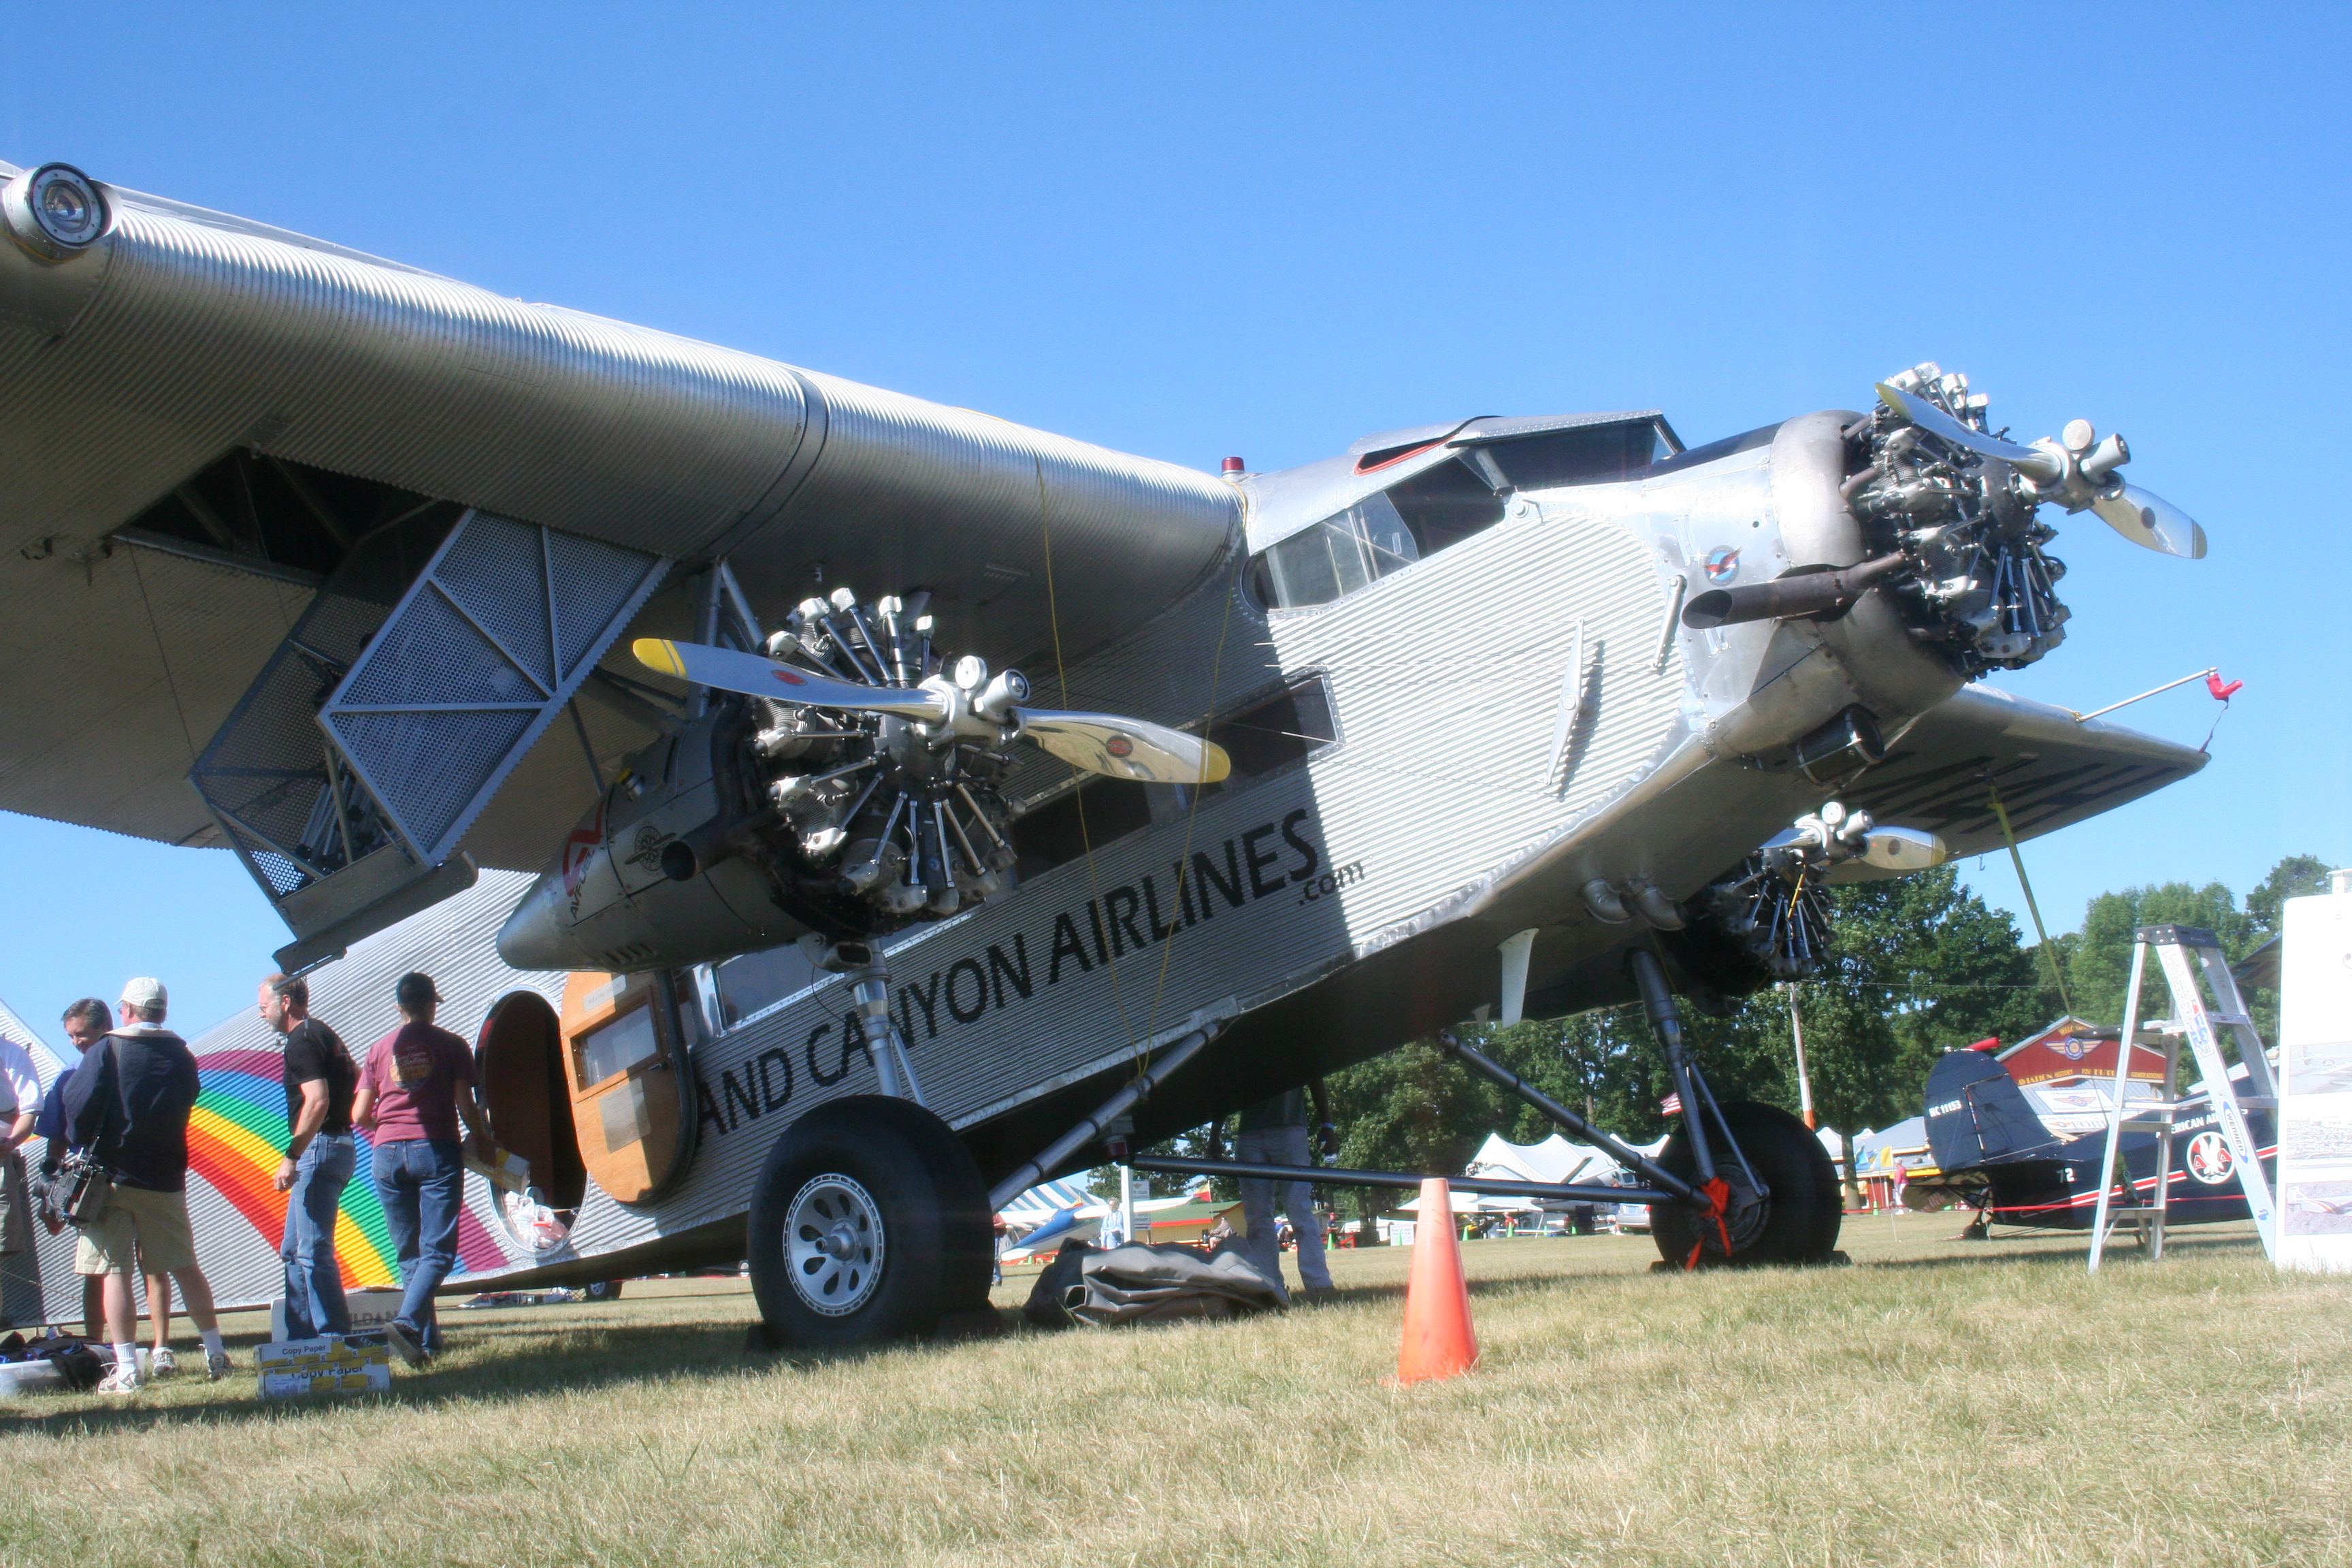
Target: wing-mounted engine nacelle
x=765 y=819
x=1834 y=834
x=1768 y=920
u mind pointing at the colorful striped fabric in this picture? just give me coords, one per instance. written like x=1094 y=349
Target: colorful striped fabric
x=236 y=1138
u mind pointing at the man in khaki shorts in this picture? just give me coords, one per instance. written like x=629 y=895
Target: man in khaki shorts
x=127 y=1106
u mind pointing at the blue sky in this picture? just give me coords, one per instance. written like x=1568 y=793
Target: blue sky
x=1201 y=230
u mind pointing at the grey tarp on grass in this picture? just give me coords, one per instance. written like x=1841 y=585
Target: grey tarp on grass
x=1135 y=1283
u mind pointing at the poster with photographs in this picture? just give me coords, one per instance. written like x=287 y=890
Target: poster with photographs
x=2314 y=1162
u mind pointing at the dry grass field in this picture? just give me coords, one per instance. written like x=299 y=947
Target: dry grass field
x=1939 y=1402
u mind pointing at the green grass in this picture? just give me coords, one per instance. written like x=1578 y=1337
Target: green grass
x=1939 y=1402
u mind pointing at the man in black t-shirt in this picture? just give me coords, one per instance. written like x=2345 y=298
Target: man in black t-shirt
x=319 y=1157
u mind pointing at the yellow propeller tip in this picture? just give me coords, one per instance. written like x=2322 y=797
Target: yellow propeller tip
x=1215 y=765
x=658 y=654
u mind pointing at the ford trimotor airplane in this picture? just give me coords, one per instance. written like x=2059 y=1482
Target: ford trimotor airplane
x=928 y=805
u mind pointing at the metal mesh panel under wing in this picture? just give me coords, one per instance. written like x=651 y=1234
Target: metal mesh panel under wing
x=482 y=652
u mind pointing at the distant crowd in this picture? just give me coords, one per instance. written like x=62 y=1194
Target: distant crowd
x=115 y=1167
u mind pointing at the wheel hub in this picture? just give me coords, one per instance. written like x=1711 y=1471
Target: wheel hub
x=1743 y=1216
x=834 y=1244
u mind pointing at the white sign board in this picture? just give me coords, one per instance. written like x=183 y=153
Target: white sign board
x=2315 y=1160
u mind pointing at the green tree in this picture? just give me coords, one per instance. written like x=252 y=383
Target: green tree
x=2296 y=877
x=1918 y=966
x=2099 y=970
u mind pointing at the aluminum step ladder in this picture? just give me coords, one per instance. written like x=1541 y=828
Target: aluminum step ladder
x=2193 y=1020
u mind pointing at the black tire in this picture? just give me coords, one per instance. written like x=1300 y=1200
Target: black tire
x=1801 y=1217
x=897 y=1190
x=604 y=1290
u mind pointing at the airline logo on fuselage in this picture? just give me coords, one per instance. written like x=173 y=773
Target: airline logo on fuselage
x=1265 y=862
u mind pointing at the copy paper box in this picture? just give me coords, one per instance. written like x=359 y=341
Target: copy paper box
x=372 y=1379
x=325 y=1351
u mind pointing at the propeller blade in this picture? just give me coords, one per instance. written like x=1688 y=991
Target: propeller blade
x=2036 y=464
x=758 y=675
x=1126 y=748
x=2151 y=522
x=1904 y=849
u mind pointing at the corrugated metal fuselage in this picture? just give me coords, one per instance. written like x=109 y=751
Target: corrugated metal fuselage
x=1515 y=716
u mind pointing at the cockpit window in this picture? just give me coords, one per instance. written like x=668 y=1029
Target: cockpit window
x=1384 y=532
x=1339 y=555
x=1596 y=454
x=1446 y=503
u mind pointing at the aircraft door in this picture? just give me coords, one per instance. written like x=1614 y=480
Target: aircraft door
x=629 y=1082
x=528 y=1095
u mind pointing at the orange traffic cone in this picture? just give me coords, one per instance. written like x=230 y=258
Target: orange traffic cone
x=1438 y=1338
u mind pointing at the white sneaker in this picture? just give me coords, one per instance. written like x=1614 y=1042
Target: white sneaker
x=122 y=1380
x=161 y=1365
x=217 y=1365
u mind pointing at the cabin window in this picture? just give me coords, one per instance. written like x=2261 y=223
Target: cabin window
x=1274 y=733
x=1055 y=833
x=616 y=1046
x=757 y=981
x=1446 y=504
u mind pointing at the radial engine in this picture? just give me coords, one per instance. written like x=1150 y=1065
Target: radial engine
x=846 y=782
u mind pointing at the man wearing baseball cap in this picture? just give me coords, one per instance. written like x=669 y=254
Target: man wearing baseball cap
x=418 y=1081
x=127 y=1106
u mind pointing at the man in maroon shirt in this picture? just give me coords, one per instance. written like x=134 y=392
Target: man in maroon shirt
x=418 y=1081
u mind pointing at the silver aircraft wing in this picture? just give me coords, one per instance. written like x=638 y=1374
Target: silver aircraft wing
x=203 y=420
x=2050 y=771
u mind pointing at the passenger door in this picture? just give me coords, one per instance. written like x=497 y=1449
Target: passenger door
x=632 y=1086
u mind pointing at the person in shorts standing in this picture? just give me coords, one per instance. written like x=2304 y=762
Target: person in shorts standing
x=128 y=1106
x=321 y=1079
x=418 y=1081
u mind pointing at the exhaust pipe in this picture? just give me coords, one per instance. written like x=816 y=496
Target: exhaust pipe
x=1786 y=599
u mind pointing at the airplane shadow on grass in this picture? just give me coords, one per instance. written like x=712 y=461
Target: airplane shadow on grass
x=617 y=1355
x=2120 y=1250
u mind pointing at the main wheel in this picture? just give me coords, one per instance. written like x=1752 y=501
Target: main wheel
x=1795 y=1220
x=869 y=1221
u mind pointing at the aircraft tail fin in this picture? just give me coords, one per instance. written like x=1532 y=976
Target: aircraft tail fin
x=1978 y=1116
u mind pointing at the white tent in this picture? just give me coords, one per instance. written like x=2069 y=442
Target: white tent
x=1470 y=1203
x=1555 y=1160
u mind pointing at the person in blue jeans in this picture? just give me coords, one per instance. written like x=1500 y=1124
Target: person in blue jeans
x=320 y=1079
x=418 y=1081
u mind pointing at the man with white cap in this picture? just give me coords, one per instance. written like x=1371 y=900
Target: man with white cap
x=127 y=1106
